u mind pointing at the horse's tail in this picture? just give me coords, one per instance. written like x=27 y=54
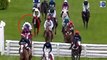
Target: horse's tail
x=51 y=56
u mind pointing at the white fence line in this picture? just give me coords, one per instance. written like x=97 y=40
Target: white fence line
x=59 y=49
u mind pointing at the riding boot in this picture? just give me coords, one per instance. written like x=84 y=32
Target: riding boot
x=44 y=33
x=39 y=19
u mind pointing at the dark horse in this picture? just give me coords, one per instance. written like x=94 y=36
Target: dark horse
x=76 y=52
x=55 y=23
x=85 y=18
x=36 y=24
x=26 y=54
x=68 y=35
x=44 y=8
x=48 y=34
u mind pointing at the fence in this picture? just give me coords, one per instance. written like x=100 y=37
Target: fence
x=59 y=49
x=2 y=25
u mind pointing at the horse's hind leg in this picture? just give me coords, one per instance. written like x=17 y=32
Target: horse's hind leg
x=56 y=25
x=30 y=57
x=35 y=31
x=83 y=21
x=83 y=18
x=87 y=22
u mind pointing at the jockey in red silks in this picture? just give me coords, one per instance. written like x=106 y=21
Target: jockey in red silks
x=70 y=25
x=26 y=36
x=36 y=13
x=65 y=5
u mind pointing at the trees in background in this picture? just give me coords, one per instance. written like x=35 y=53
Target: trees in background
x=3 y=4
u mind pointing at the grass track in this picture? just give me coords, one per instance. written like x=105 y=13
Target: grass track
x=96 y=33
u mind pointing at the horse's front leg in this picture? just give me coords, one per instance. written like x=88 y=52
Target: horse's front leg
x=34 y=31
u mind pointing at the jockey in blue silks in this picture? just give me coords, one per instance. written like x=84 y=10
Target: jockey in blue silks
x=47 y=49
x=52 y=13
x=37 y=2
x=46 y=46
x=52 y=3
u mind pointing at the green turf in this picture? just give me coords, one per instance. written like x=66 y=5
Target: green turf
x=96 y=33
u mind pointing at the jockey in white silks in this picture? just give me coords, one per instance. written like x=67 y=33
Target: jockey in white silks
x=85 y=6
x=37 y=2
x=64 y=13
x=48 y=23
x=36 y=13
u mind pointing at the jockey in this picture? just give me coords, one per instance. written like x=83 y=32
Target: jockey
x=85 y=6
x=65 y=21
x=48 y=23
x=52 y=12
x=37 y=2
x=52 y=3
x=65 y=5
x=47 y=46
x=26 y=35
x=36 y=13
x=77 y=38
x=64 y=13
x=71 y=26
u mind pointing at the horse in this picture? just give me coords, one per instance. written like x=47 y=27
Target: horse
x=76 y=52
x=36 y=25
x=25 y=54
x=44 y=8
x=55 y=23
x=48 y=34
x=68 y=34
x=85 y=18
x=47 y=56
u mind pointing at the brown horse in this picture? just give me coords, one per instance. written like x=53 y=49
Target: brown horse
x=36 y=25
x=25 y=54
x=44 y=8
x=48 y=34
x=68 y=34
